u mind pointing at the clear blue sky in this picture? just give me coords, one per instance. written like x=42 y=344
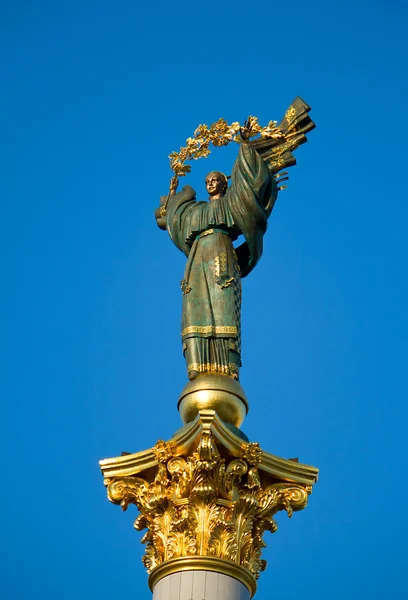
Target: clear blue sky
x=95 y=95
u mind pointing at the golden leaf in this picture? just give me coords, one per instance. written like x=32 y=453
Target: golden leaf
x=223 y=542
x=220 y=133
x=206 y=504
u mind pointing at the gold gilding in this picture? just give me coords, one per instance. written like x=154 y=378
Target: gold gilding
x=209 y=507
x=185 y=287
x=210 y=329
x=221 y=133
x=231 y=369
x=217 y=266
x=271 y=466
x=216 y=392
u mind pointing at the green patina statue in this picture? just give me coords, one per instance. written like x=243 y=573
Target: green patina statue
x=206 y=231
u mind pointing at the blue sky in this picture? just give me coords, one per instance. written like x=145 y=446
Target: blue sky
x=95 y=95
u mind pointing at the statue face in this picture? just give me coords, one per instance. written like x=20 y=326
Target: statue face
x=215 y=183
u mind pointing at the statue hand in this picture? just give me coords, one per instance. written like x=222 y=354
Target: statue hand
x=245 y=131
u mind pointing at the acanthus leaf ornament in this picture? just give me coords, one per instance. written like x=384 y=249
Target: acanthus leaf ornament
x=208 y=503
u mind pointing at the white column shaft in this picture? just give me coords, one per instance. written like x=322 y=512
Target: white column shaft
x=199 y=585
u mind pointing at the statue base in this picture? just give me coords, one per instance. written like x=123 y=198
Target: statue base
x=217 y=392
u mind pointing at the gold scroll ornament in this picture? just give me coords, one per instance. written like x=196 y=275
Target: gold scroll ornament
x=207 y=503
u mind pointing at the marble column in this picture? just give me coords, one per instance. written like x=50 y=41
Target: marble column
x=200 y=585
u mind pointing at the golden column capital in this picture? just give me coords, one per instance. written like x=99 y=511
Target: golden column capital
x=205 y=498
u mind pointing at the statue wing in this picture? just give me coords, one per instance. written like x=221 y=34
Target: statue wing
x=291 y=133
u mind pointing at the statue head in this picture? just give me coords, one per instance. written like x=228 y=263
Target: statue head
x=216 y=184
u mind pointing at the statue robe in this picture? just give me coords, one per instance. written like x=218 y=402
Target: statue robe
x=205 y=232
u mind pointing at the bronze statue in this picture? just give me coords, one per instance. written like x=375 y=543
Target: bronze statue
x=206 y=231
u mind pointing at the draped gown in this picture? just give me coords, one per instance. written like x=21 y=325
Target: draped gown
x=211 y=287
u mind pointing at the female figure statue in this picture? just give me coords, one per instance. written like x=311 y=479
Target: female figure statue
x=205 y=232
